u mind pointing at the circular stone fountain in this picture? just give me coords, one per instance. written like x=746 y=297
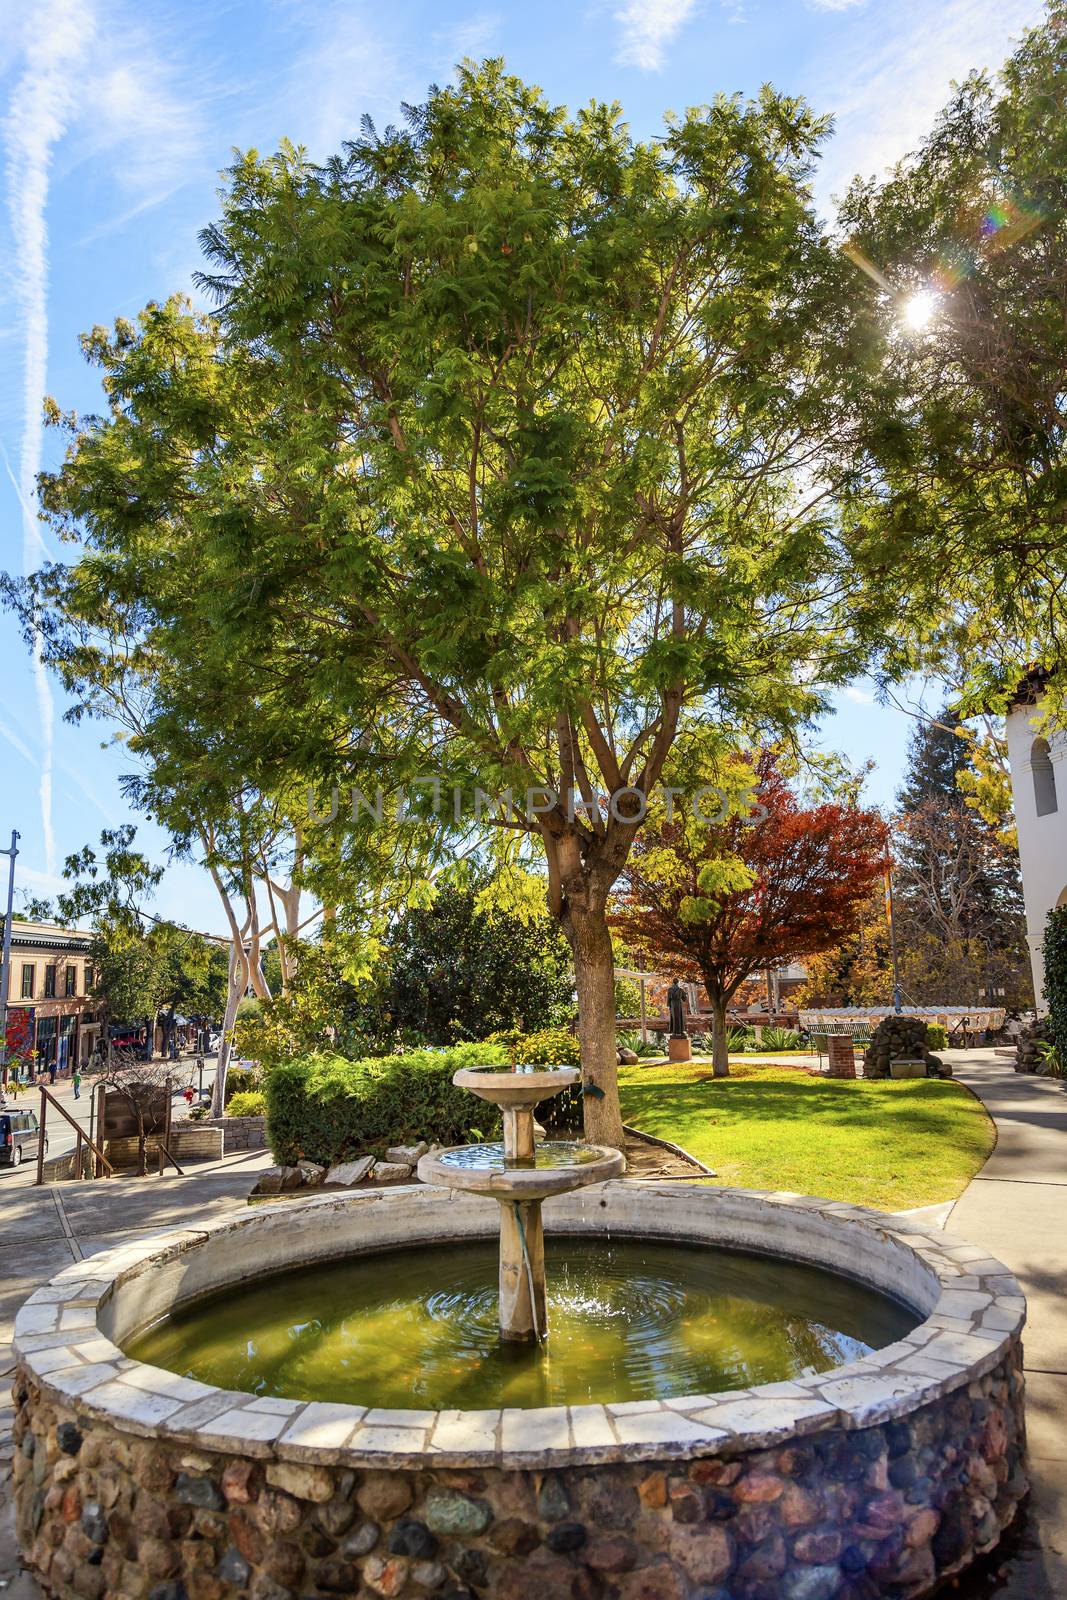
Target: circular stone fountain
x=519 y=1174
x=878 y=1477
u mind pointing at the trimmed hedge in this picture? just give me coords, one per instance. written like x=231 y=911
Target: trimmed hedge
x=325 y=1108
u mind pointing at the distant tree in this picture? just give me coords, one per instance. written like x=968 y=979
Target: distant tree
x=461 y=970
x=961 y=924
x=142 y=964
x=722 y=901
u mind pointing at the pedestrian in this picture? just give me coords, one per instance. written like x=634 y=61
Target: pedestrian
x=52 y=1067
x=76 y=1080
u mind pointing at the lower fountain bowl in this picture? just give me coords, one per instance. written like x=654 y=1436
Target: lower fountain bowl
x=890 y=1472
x=556 y=1168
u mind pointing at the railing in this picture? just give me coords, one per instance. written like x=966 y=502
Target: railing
x=165 y=1153
x=102 y=1166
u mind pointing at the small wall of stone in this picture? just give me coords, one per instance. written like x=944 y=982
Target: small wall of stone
x=880 y=1478
x=240 y=1133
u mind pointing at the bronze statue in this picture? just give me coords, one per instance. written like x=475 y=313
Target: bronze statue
x=676 y=1010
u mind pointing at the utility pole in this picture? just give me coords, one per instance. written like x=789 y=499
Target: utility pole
x=5 y=963
x=892 y=934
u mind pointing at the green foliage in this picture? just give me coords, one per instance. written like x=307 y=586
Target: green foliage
x=1054 y=950
x=738 y=1039
x=521 y=415
x=459 y=970
x=936 y=1036
x=780 y=1039
x=242 y=1080
x=1053 y=1061
x=326 y=1108
x=249 y=1103
x=336 y=1003
x=553 y=1047
x=963 y=431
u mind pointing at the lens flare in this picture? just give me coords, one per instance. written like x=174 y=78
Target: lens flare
x=919 y=310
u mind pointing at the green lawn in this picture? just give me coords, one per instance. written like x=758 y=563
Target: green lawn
x=891 y=1145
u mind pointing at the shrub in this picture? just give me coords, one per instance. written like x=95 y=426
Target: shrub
x=738 y=1039
x=552 y=1047
x=242 y=1080
x=326 y=1108
x=936 y=1036
x=781 y=1039
x=1054 y=950
x=249 y=1103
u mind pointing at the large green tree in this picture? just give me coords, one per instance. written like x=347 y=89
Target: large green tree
x=509 y=459
x=961 y=463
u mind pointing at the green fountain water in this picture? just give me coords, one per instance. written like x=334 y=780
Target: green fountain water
x=630 y=1320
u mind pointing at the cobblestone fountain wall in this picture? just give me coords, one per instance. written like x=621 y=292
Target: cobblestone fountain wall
x=839 y=1515
x=877 y=1479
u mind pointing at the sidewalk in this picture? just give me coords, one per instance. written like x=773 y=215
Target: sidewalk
x=1017 y=1209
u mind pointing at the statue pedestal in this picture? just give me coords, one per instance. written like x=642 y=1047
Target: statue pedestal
x=680 y=1049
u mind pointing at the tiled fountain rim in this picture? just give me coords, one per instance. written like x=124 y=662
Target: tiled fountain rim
x=974 y=1312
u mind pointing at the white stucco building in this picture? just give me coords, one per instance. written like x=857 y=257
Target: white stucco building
x=1038 y=762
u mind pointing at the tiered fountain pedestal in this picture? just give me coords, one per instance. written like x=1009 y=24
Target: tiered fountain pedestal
x=519 y=1174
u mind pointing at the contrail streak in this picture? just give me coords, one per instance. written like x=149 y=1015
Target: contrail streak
x=41 y=107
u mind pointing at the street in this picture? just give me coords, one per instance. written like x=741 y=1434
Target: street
x=59 y=1132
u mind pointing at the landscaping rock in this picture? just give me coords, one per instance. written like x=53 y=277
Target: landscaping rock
x=390 y=1171
x=628 y=1058
x=313 y=1172
x=406 y=1155
x=348 y=1173
x=280 y=1180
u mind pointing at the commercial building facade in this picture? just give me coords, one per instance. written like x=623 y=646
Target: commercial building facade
x=52 y=1018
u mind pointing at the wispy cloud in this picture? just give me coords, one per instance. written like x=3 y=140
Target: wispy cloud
x=17 y=744
x=647 y=27
x=42 y=105
x=859 y=696
x=888 y=84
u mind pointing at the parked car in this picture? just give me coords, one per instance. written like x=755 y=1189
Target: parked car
x=19 y=1137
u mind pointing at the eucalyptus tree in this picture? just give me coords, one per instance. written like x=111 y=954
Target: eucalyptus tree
x=508 y=462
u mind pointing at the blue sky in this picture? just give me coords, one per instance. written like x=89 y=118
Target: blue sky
x=117 y=119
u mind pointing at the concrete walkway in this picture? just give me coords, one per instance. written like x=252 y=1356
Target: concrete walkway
x=1017 y=1209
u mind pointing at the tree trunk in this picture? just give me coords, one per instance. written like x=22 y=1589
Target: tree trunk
x=594 y=977
x=720 y=1054
x=234 y=992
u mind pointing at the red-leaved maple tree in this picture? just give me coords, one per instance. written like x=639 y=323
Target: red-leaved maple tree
x=720 y=901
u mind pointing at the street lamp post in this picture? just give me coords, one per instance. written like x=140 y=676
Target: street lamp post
x=5 y=963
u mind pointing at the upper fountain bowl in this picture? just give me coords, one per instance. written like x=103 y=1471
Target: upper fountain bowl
x=518 y=1088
